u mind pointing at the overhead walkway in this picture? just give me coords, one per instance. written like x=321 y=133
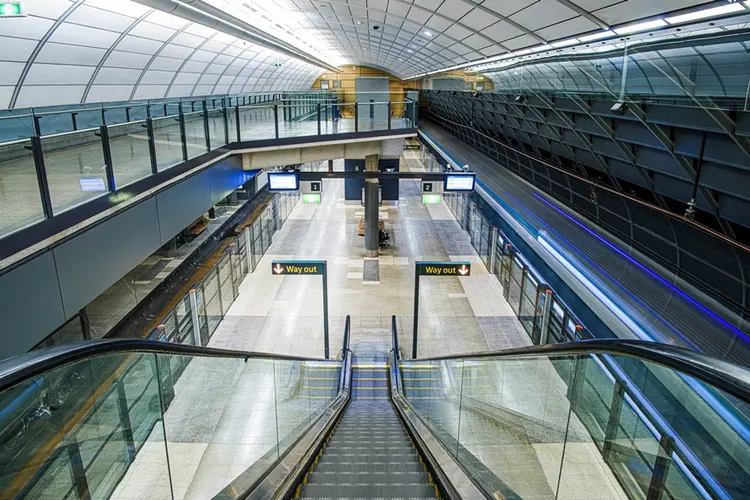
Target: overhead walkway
x=535 y=422
x=71 y=165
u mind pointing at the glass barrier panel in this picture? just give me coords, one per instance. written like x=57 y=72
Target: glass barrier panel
x=213 y=301
x=167 y=142
x=61 y=123
x=79 y=441
x=75 y=168
x=15 y=126
x=700 y=418
x=131 y=160
x=226 y=286
x=514 y=286
x=257 y=123
x=195 y=133
x=232 y=124
x=216 y=128
x=20 y=199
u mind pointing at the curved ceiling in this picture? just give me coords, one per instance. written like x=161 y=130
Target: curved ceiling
x=67 y=52
x=419 y=36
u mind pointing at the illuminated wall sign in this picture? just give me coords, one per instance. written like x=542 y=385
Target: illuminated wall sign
x=92 y=184
x=283 y=181
x=459 y=182
x=443 y=268
x=431 y=199
x=311 y=198
x=11 y=9
x=297 y=267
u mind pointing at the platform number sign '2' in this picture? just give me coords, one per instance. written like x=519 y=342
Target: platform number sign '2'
x=426 y=268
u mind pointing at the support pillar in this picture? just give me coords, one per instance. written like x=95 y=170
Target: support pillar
x=330 y=165
x=372 y=205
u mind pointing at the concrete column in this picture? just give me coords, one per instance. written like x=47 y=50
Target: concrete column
x=372 y=190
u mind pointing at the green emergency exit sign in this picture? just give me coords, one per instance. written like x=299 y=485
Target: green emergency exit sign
x=11 y=9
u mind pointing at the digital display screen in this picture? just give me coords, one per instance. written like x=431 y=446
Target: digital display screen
x=283 y=181
x=93 y=184
x=462 y=182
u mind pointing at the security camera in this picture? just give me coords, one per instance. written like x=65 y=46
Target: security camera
x=376 y=27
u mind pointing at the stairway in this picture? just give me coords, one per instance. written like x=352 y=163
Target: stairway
x=369 y=453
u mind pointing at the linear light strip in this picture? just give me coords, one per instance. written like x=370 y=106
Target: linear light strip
x=652 y=273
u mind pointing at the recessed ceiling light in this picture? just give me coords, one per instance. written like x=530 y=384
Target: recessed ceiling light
x=597 y=36
x=702 y=14
x=635 y=28
x=565 y=43
x=409 y=51
x=427 y=33
x=359 y=22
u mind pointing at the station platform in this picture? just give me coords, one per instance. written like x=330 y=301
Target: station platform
x=213 y=440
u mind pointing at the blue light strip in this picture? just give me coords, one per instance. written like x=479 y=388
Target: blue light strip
x=653 y=274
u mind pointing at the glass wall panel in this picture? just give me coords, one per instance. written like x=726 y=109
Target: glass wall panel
x=167 y=142
x=20 y=200
x=131 y=160
x=195 y=134
x=75 y=168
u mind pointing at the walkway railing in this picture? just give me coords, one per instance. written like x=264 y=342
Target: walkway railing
x=61 y=165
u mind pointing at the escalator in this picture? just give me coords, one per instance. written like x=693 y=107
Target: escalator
x=369 y=454
x=165 y=421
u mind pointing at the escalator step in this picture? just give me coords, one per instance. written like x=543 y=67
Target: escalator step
x=356 y=467
x=359 y=450
x=369 y=458
x=385 y=490
x=367 y=478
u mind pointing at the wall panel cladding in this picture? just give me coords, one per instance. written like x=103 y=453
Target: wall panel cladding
x=91 y=262
x=183 y=204
x=30 y=305
x=713 y=265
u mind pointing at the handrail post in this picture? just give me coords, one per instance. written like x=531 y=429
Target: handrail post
x=661 y=468
x=74 y=120
x=183 y=134
x=107 y=153
x=77 y=470
x=237 y=122
x=225 y=114
x=206 y=128
x=318 y=118
x=613 y=423
x=356 y=116
x=389 y=115
x=41 y=175
x=151 y=142
x=276 y=119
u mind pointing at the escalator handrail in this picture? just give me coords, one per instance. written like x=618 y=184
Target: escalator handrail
x=394 y=330
x=19 y=369
x=728 y=377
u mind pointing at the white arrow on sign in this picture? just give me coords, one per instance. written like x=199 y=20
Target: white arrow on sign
x=463 y=270
x=278 y=269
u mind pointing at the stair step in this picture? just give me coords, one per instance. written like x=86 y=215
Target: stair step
x=385 y=490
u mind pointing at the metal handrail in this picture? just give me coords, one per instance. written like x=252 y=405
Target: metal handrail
x=723 y=375
x=18 y=369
